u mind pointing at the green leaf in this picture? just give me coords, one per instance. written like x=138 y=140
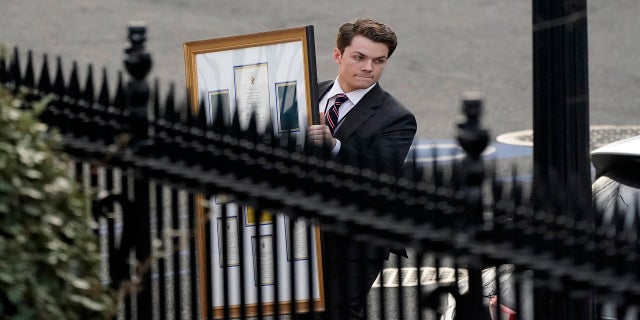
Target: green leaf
x=4 y=186
x=4 y=207
x=31 y=193
x=80 y=283
x=40 y=105
x=33 y=174
x=32 y=210
x=53 y=219
x=7 y=277
x=90 y=304
x=15 y=293
x=49 y=262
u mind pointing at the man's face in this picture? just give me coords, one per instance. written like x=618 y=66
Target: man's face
x=361 y=63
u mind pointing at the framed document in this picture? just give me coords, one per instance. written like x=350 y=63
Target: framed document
x=287 y=106
x=250 y=214
x=263 y=259
x=297 y=230
x=271 y=75
x=219 y=99
x=233 y=255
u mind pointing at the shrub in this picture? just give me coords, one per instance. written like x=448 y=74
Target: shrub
x=49 y=260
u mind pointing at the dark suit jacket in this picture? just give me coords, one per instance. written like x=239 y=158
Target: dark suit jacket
x=379 y=125
x=383 y=129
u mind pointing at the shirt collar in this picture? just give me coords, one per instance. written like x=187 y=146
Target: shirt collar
x=354 y=96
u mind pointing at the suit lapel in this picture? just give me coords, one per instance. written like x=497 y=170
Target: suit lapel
x=362 y=111
x=323 y=88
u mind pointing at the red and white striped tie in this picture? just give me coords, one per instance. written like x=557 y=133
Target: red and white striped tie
x=331 y=118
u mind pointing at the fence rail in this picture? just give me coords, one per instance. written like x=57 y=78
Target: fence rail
x=161 y=169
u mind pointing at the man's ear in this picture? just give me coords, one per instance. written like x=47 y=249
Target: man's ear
x=337 y=55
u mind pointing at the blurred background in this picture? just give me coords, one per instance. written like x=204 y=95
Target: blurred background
x=445 y=47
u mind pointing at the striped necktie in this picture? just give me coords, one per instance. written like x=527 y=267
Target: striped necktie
x=331 y=118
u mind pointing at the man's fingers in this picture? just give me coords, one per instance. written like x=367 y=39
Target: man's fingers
x=318 y=133
x=321 y=117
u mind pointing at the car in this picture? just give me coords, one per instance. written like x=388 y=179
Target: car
x=615 y=187
x=617 y=180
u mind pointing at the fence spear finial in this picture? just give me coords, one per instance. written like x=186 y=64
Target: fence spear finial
x=103 y=96
x=29 y=77
x=4 y=75
x=138 y=64
x=44 y=83
x=73 y=90
x=119 y=99
x=473 y=139
x=88 y=95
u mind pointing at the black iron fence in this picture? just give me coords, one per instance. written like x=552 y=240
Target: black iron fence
x=175 y=193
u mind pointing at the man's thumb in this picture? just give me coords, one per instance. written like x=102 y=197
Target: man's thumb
x=321 y=117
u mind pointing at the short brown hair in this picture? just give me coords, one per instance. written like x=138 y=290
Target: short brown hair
x=374 y=31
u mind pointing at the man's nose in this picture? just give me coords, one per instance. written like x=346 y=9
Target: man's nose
x=367 y=65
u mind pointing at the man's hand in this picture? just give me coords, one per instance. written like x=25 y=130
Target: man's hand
x=320 y=133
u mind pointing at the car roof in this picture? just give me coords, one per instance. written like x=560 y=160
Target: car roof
x=620 y=154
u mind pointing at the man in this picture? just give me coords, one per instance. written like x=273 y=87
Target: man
x=358 y=115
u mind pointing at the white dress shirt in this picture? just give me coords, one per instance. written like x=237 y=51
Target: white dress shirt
x=353 y=98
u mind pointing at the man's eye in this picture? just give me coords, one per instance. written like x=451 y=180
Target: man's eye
x=358 y=57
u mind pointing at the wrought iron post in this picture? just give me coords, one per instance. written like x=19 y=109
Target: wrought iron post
x=560 y=116
x=561 y=101
x=138 y=64
x=473 y=139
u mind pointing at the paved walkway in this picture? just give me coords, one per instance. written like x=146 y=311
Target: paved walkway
x=445 y=48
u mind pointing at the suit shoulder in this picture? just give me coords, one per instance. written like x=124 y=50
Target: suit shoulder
x=324 y=85
x=390 y=102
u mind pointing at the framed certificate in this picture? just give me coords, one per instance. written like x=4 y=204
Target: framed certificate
x=233 y=257
x=271 y=75
x=287 y=106
x=262 y=259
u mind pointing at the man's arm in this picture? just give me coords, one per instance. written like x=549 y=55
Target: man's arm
x=320 y=134
x=387 y=149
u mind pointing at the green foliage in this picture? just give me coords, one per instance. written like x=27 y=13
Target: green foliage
x=49 y=260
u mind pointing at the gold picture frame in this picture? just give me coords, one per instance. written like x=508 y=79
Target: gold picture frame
x=271 y=75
